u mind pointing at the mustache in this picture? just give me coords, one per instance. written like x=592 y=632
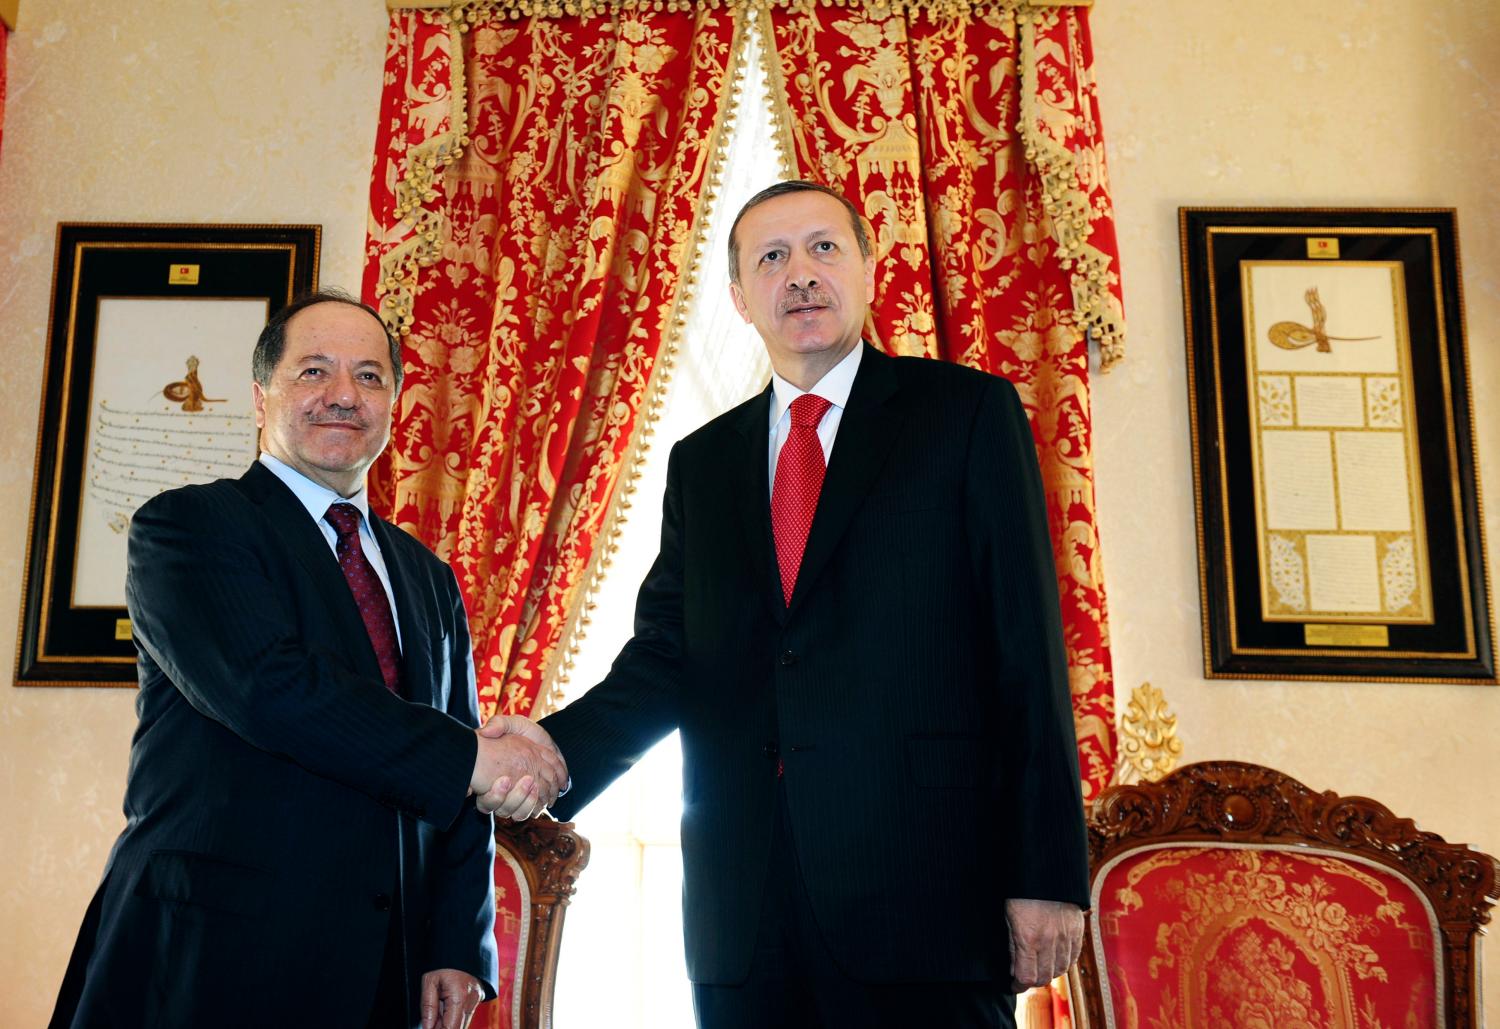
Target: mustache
x=804 y=298
x=338 y=416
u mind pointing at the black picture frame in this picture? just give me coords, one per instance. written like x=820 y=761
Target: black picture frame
x=1250 y=570
x=125 y=299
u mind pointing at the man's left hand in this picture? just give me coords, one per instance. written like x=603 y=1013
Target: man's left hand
x=1045 y=938
x=449 y=998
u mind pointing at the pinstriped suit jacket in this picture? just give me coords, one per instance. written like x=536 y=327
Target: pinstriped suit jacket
x=915 y=689
x=279 y=797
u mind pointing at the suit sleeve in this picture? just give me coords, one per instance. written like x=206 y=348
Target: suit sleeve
x=463 y=901
x=1006 y=510
x=607 y=730
x=204 y=607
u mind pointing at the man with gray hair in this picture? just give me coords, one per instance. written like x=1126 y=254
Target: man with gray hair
x=298 y=848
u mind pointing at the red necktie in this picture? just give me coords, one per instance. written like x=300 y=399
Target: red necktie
x=799 y=480
x=369 y=594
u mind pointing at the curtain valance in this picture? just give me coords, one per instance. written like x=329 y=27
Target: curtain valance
x=546 y=9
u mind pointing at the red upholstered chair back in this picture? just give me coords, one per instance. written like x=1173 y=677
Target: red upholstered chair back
x=1238 y=935
x=1230 y=895
x=536 y=870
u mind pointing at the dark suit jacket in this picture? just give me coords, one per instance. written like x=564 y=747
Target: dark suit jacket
x=916 y=690
x=279 y=796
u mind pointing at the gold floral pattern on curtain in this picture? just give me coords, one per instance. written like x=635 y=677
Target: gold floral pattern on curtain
x=969 y=136
x=535 y=214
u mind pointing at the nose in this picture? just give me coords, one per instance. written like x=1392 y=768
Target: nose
x=340 y=390
x=801 y=273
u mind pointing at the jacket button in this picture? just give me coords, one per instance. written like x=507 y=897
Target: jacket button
x=382 y=901
x=769 y=750
x=788 y=658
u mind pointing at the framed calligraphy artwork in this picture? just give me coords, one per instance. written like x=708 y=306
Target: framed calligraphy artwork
x=146 y=388
x=1339 y=527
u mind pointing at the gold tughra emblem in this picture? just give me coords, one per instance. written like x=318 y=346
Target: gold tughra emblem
x=1292 y=336
x=189 y=391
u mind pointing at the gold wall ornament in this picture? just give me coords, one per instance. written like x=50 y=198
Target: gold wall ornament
x=1149 y=747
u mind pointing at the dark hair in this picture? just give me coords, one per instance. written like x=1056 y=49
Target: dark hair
x=272 y=342
x=781 y=189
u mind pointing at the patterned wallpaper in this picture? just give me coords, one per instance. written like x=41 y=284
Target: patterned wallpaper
x=263 y=110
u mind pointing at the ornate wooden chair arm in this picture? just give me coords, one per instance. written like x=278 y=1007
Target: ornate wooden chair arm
x=551 y=855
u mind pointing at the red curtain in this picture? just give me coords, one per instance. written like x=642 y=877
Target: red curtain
x=534 y=217
x=970 y=138
x=4 y=45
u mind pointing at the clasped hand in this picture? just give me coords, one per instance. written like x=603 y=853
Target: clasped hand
x=518 y=770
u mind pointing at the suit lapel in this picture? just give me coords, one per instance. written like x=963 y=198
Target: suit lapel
x=416 y=676
x=866 y=433
x=301 y=535
x=751 y=496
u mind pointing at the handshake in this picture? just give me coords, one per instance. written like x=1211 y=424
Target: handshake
x=518 y=770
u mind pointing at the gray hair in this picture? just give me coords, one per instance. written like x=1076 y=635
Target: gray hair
x=781 y=189
x=272 y=342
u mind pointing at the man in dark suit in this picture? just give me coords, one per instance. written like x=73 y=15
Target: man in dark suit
x=298 y=848
x=866 y=665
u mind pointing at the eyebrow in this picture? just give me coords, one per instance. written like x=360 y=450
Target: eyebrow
x=369 y=362
x=329 y=360
x=780 y=241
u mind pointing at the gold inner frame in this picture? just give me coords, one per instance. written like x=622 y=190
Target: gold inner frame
x=1416 y=503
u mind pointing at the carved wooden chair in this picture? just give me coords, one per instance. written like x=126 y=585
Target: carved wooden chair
x=535 y=876
x=1229 y=894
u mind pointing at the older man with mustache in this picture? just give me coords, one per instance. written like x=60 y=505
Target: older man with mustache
x=298 y=848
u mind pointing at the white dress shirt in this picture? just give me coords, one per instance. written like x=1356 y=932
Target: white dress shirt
x=833 y=387
x=318 y=498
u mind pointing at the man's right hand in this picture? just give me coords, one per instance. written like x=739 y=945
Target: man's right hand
x=1045 y=938
x=516 y=777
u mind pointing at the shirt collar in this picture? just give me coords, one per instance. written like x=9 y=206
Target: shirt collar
x=316 y=497
x=834 y=386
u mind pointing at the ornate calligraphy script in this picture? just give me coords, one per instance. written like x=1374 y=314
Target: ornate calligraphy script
x=169 y=406
x=137 y=453
x=1295 y=336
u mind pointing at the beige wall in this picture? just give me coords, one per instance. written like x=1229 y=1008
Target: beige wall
x=140 y=111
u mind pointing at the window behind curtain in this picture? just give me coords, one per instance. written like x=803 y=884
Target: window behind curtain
x=622 y=963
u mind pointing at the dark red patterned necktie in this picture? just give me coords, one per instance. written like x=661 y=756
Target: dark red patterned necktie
x=799 y=481
x=369 y=594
